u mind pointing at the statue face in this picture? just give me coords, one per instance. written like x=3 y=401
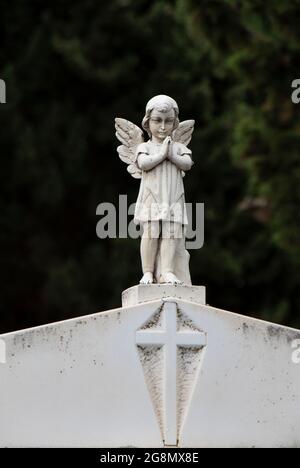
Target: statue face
x=161 y=124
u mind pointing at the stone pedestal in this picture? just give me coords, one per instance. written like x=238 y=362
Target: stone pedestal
x=151 y=292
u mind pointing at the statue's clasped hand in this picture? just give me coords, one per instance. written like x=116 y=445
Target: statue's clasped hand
x=165 y=147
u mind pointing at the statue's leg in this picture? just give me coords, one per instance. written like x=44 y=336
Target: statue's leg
x=171 y=235
x=149 y=243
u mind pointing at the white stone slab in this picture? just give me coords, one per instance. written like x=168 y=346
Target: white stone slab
x=77 y=383
x=151 y=292
x=247 y=390
x=169 y=370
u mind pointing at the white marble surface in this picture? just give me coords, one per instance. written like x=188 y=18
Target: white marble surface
x=168 y=370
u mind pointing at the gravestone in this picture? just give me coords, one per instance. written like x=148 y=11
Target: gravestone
x=163 y=370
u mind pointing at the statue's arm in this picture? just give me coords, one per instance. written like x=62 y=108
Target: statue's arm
x=182 y=160
x=146 y=162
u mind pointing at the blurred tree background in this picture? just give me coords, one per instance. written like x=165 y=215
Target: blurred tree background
x=72 y=66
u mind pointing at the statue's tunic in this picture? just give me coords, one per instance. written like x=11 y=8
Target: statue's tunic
x=161 y=195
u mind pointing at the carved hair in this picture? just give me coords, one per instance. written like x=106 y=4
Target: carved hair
x=161 y=103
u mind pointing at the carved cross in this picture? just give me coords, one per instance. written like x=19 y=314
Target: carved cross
x=170 y=338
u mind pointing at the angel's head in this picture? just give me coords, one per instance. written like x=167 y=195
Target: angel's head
x=161 y=117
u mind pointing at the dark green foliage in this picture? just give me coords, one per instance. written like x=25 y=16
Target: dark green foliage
x=70 y=68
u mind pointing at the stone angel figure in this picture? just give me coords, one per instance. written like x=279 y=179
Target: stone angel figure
x=160 y=163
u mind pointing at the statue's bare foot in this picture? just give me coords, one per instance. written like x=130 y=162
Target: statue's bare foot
x=169 y=277
x=147 y=278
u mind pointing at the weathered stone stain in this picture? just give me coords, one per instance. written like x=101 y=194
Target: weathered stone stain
x=282 y=333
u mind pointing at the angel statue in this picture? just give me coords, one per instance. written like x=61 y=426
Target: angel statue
x=160 y=163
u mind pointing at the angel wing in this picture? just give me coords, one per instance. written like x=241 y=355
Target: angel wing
x=130 y=135
x=183 y=133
